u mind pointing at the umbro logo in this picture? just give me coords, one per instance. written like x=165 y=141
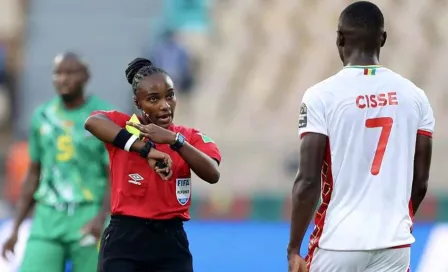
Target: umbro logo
x=135 y=179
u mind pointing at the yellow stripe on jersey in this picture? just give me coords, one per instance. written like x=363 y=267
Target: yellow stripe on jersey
x=369 y=71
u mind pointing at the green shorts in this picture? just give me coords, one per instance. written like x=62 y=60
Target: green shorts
x=56 y=237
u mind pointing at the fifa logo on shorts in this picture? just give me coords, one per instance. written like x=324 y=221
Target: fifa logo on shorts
x=135 y=179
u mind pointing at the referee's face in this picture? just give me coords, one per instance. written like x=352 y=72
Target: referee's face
x=156 y=98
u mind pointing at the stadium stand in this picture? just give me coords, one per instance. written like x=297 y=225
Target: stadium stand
x=263 y=55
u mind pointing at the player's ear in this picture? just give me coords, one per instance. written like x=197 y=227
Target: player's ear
x=86 y=75
x=383 y=38
x=340 y=41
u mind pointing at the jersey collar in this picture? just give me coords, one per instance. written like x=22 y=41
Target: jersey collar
x=367 y=70
x=363 y=66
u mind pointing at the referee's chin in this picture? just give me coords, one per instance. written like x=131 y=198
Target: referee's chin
x=165 y=123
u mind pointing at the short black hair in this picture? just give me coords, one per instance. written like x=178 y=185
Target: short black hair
x=140 y=68
x=362 y=23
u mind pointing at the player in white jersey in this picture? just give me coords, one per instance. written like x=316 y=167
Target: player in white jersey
x=366 y=147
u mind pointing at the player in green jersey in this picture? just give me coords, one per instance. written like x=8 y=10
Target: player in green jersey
x=67 y=178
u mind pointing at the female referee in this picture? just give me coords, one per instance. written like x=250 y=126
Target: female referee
x=151 y=177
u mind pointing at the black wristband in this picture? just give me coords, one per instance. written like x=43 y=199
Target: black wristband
x=146 y=149
x=180 y=141
x=124 y=140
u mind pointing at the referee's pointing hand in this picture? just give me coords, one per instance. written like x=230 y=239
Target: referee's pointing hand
x=157 y=134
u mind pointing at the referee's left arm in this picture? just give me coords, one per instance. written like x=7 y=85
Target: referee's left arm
x=202 y=165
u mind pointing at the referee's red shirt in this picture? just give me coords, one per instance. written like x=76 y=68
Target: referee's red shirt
x=136 y=190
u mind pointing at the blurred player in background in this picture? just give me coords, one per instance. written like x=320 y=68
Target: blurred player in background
x=366 y=137
x=67 y=178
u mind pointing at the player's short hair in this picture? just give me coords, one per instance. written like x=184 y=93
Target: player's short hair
x=140 y=68
x=71 y=55
x=362 y=23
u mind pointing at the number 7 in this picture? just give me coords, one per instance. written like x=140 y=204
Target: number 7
x=385 y=123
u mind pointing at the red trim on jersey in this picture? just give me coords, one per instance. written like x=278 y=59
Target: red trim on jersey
x=403 y=246
x=326 y=190
x=303 y=134
x=424 y=132
x=411 y=211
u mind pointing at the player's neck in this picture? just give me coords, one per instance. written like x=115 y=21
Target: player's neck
x=76 y=103
x=361 y=59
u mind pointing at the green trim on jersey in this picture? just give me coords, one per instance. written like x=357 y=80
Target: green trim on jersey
x=73 y=162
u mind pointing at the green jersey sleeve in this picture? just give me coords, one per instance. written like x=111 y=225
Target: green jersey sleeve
x=34 y=147
x=105 y=157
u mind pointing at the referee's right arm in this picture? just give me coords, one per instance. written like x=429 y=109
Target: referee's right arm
x=107 y=131
x=109 y=128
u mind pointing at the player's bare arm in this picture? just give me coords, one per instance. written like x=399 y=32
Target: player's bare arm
x=96 y=225
x=25 y=204
x=422 y=163
x=26 y=200
x=306 y=189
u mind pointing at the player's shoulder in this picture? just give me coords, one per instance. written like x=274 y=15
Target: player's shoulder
x=325 y=84
x=406 y=84
x=49 y=104
x=322 y=89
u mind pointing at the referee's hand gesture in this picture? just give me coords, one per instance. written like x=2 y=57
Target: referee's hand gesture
x=161 y=163
x=158 y=135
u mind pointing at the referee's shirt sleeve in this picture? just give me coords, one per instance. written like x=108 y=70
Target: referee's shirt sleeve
x=312 y=114
x=117 y=117
x=205 y=144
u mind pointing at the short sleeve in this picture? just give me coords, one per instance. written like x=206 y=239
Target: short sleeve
x=312 y=114
x=117 y=117
x=34 y=147
x=205 y=144
x=427 y=121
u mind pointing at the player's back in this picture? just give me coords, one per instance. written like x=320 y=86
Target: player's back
x=371 y=116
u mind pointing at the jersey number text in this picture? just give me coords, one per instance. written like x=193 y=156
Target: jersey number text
x=385 y=123
x=65 y=147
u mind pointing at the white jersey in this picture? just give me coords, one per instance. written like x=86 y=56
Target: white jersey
x=371 y=116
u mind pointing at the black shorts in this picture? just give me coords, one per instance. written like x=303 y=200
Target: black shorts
x=132 y=244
